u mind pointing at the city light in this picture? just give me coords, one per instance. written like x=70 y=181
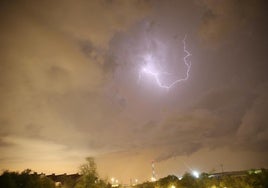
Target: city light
x=114 y=182
x=195 y=174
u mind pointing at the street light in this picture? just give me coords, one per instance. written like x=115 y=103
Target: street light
x=114 y=182
x=195 y=174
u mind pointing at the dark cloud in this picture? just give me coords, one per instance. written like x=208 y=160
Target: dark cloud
x=223 y=19
x=4 y=143
x=252 y=132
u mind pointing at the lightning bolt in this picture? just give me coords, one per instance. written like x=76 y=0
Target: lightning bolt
x=151 y=69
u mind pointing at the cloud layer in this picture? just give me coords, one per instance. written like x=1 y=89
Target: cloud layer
x=69 y=84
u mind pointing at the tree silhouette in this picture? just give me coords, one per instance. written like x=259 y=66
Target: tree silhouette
x=89 y=178
x=25 y=179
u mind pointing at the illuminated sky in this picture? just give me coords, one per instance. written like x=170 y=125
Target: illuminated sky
x=71 y=86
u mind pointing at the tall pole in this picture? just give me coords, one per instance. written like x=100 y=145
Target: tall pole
x=153 y=172
x=221 y=168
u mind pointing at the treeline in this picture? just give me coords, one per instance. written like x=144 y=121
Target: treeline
x=87 y=178
x=250 y=180
x=25 y=179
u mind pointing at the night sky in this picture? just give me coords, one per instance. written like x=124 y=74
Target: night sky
x=85 y=78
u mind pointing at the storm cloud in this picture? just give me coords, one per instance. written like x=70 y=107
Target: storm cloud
x=70 y=85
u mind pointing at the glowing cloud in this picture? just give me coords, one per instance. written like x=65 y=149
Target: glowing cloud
x=152 y=69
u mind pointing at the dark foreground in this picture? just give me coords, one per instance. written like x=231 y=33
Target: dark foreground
x=238 y=179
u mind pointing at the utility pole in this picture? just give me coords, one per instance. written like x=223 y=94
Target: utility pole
x=221 y=168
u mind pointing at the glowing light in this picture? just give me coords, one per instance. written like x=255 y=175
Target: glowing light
x=135 y=182
x=114 y=182
x=151 y=69
x=195 y=174
x=172 y=186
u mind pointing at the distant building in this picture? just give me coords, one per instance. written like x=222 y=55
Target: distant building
x=62 y=178
x=236 y=173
